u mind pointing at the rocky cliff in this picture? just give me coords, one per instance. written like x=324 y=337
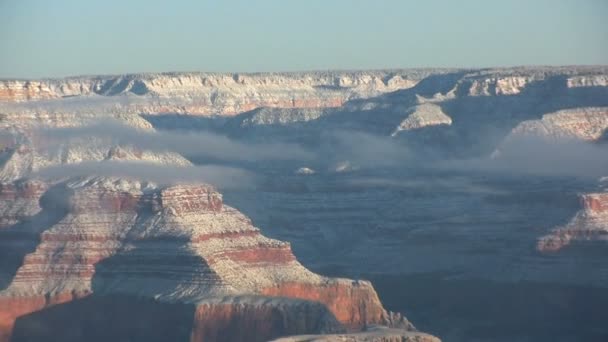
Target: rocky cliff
x=206 y=94
x=103 y=255
x=177 y=245
x=97 y=258
x=589 y=224
x=588 y=124
x=231 y=94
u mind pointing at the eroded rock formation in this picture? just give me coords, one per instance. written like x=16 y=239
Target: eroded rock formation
x=94 y=258
x=205 y=94
x=589 y=224
x=176 y=244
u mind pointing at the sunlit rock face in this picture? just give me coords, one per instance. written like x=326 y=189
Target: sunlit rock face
x=177 y=244
x=587 y=123
x=589 y=224
x=24 y=151
x=206 y=94
x=70 y=247
x=93 y=258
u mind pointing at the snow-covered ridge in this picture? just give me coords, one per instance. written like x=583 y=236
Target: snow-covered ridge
x=230 y=94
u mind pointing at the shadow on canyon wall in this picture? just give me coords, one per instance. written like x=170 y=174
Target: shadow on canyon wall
x=123 y=306
x=107 y=318
x=479 y=123
x=483 y=310
x=21 y=239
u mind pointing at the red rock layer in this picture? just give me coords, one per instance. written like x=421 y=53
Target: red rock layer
x=595 y=203
x=276 y=255
x=229 y=322
x=179 y=244
x=191 y=199
x=25 y=92
x=589 y=224
x=355 y=304
x=106 y=318
x=15 y=307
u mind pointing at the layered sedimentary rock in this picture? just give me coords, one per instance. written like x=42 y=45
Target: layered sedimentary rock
x=204 y=94
x=588 y=123
x=96 y=250
x=589 y=224
x=178 y=245
x=230 y=94
x=19 y=200
x=112 y=250
x=26 y=150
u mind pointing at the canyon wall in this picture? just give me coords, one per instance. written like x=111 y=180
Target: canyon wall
x=177 y=245
x=97 y=258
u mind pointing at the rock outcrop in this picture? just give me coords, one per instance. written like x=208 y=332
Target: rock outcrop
x=206 y=94
x=92 y=258
x=25 y=151
x=589 y=224
x=580 y=123
x=421 y=116
x=176 y=245
x=587 y=124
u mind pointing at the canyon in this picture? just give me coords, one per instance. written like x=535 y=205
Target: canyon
x=102 y=250
x=410 y=179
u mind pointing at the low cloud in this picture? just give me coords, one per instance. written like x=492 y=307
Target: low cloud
x=219 y=176
x=542 y=156
x=363 y=149
x=197 y=145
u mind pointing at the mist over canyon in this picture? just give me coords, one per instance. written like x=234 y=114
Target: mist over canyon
x=466 y=204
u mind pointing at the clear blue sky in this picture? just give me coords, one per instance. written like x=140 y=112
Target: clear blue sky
x=49 y=38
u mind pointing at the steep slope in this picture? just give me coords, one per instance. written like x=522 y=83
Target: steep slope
x=588 y=124
x=177 y=244
x=100 y=258
x=208 y=93
x=23 y=151
x=589 y=224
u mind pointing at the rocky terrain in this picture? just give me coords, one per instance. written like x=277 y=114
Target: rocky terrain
x=411 y=179
x=589 y=224
x=178 y=244
x=207 y=94
x=80 y=254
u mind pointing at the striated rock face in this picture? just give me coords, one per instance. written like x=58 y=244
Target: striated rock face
x=86 y=258
x=225 y=94
x=178 y=245
x=588 y=124
x=24 y=152
x=19 y=200
x=25 y=90
x=496 y=82
x=589 y=224
x=581 y=123
x=103 y=318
